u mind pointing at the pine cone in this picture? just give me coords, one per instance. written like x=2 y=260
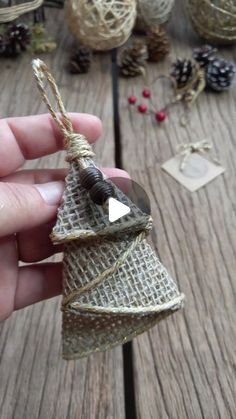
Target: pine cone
x=183 y=71
x=132 y=59
x=204 y=55
x=158 y=44
x=18 y=36
x=80 y=61
x=220 y=74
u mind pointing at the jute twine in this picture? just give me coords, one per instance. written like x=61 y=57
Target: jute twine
x=154 y=12
x=76 y=144
x=114 y=286
x=8 y=14
x=101 y=24
x=214 y=20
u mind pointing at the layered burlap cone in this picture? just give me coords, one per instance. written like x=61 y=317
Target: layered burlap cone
x=114 y=285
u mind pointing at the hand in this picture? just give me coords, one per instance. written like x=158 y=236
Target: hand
x=28 y=207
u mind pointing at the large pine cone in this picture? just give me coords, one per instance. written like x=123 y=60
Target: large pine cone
x=183 y=71
x=132 y=59
x=80 y=61
x=204 y=55
x=220 y=74
x=158 y=44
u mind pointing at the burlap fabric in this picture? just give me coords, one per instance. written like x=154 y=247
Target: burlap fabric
x=114 y=286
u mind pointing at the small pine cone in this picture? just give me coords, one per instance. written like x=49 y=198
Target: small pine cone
x=158 y=44
x=204 y=55
x=220 y=74
x=183 y=71
x=132 y=59
x=19 y=37
x=80 y=61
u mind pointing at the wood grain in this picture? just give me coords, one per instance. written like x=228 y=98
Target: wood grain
x=185 y=367
x=34 y=381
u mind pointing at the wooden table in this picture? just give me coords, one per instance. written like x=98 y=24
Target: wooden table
x=185 y=367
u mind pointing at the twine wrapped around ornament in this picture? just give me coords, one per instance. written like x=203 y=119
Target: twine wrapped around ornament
x=101 y=25
x=114 y=286
x=214 y=20
x=10 y=13
x=152 y=13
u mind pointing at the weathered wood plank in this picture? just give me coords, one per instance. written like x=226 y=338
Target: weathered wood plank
x=185 y=367
x=35 y=382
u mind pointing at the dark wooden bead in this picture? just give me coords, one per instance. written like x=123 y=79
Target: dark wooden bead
x=90 y=176
x=100 y=192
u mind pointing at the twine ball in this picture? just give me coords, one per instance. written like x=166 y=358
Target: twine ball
x=214 y=20
x=154 y=12
x=101 y=24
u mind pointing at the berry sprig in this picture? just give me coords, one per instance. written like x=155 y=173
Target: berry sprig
x=143 y=108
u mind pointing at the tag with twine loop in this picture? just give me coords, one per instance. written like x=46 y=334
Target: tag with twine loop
x=114 y=286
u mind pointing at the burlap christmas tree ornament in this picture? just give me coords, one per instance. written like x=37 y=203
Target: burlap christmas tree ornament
x=114 y=286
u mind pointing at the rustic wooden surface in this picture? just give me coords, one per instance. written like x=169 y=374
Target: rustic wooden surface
x=34 y=381
x=185 y=367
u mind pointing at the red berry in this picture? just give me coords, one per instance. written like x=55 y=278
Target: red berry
x=142 y=108
x=132 y=100
x=146 y=93
x=160 y=116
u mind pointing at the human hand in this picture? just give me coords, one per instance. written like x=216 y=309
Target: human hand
x=28 y=207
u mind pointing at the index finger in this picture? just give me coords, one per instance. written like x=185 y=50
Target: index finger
x=30 y=137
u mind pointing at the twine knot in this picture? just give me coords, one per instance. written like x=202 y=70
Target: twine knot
x=77 y=146
x=186 y=150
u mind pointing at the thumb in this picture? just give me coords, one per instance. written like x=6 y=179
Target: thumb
x=26 y=206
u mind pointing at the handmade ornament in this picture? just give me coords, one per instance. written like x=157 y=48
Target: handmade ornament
x=214 y=20
x=80 y=60
x=158 y=44
x=114 y=286
x=154 y=12
x=132 y=59
x=101 y=25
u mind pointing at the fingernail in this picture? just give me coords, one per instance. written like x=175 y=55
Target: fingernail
x=51 y=192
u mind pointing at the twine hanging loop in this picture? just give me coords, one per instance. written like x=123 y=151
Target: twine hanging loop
x=76 y=144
